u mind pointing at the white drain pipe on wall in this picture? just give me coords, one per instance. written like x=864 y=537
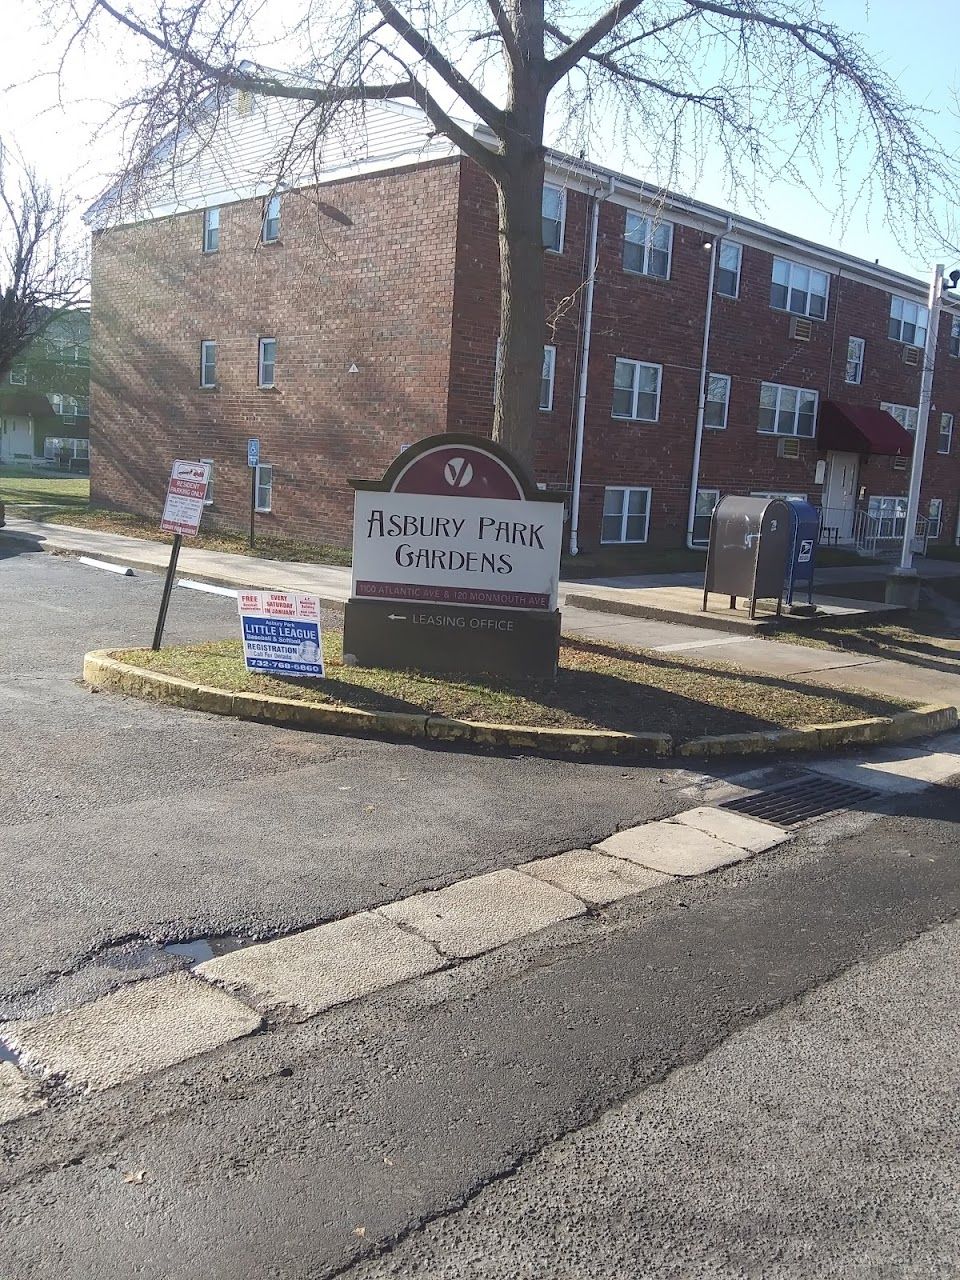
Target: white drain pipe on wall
x=702 y=397
x=584 y=368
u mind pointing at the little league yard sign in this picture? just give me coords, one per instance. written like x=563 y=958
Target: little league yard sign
x=281 y=632
x=456 y=563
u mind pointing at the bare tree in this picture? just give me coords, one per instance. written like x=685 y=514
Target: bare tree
x=759 y=88
x=42 y=269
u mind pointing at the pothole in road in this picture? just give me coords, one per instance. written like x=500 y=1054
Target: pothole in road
x=201 y=949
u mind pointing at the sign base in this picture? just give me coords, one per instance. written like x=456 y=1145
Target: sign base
x=452 y=638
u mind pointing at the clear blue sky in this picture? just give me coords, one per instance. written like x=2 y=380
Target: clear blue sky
x=911 y=40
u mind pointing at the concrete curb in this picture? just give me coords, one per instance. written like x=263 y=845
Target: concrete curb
x=102 y=670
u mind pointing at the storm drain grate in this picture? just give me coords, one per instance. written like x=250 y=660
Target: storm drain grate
x=801 y=800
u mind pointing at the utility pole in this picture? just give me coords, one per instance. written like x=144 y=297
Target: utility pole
x=903 y=585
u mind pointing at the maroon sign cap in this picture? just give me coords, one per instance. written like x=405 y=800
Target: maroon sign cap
x=459 y=466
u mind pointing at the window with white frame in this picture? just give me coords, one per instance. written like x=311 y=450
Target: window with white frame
x=787 y=411
x=945 y=441
x=267 y=362
x=18 y=377
x=707 y=500
x=636 y=390
x=264 y=495
x=717 y=401
x=626 y=515
x=208 y=500
x=934 y=518
x=208 y=363
x=855 y=350
x=59 y=404
x=908 y=322
x=553 y=210
x=211 y=230
x=55 y=447
x=546 y=378
x=647 y=245
x=955 y=336
x=271 y=220
x=777 y=493
x=728 y=269
x=799 y=289
x=890 y=515
x=905 y=414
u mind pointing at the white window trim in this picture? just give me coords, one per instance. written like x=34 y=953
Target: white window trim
x=652 y=224
x=730 y=244
x=801 y=266
x=786 y=495
x=207 y=228
x=208 y=500
x=954 y=339
x=263 y=466
x=935 y=537
x=266 y=386
x=919 y=308
x=268 y=201
x=712 y=426
x=945 y=430
x=906 y=409
x=627 y=489
x=633 y=417
x=553 y=186
x=855 y=382
x=18 y=377
x=204 y=385
x=549 y=358
x=801 y=391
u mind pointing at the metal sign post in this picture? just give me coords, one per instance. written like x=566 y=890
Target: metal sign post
x=253 y=461
x=182 y=512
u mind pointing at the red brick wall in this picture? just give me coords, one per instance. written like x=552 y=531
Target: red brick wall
x=368 y=279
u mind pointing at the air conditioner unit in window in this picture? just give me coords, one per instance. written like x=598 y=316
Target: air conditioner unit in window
x=789 y=448
x=911 y=355
x=801 y=328
x=899 y=463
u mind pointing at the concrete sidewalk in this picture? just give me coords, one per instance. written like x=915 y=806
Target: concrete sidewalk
x=832 y=667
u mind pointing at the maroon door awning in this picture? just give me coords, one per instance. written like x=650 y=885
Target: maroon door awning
x=856 y=428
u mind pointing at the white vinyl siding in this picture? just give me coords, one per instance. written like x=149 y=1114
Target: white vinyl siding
x=905 y=414
x=728 y=269
x=908 y=322
x=855 y=350
x=717 y=403
x=553 y=211
x=626 y=515
x=787 y=411
x=647 y=246
x=636 y=391
x=798 y=289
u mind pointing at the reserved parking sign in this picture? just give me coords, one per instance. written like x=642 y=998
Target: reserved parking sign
x=281 y=632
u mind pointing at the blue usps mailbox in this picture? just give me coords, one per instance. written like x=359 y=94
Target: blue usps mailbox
x=803 y=556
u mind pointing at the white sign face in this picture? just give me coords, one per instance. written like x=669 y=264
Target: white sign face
x=186 y=494
x=281 y=632
x=503 y=553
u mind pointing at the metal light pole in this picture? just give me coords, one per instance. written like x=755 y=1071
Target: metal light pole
x=903 y=586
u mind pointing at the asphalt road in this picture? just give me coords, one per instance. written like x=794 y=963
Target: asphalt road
x=752 y=1074
x=121 y=820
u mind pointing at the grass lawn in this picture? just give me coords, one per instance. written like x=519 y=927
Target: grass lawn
x=599 y=686
x=33 y=493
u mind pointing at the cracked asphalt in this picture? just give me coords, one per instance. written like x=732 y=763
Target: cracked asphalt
x=123 y=820
x=751 y=1075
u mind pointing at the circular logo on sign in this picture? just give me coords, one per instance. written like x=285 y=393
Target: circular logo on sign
x=458 y=473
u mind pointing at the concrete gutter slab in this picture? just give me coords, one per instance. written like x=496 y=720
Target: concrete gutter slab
x=310 y=972
x=672 y=848
x=911 y=772
x=132 y=1032
x=749 y=834
x=483 y=912
x=18 y=1097
x=593 y=876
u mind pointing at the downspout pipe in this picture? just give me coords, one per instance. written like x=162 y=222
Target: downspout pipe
x=702 y=396
x=600 y=196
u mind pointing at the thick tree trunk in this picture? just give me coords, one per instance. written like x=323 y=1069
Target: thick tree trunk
x=522 y=338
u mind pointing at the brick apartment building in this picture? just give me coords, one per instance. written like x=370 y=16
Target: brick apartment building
x=340 y=322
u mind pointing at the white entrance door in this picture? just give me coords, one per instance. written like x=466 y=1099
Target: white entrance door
x=840 y=495
x=16 y=439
